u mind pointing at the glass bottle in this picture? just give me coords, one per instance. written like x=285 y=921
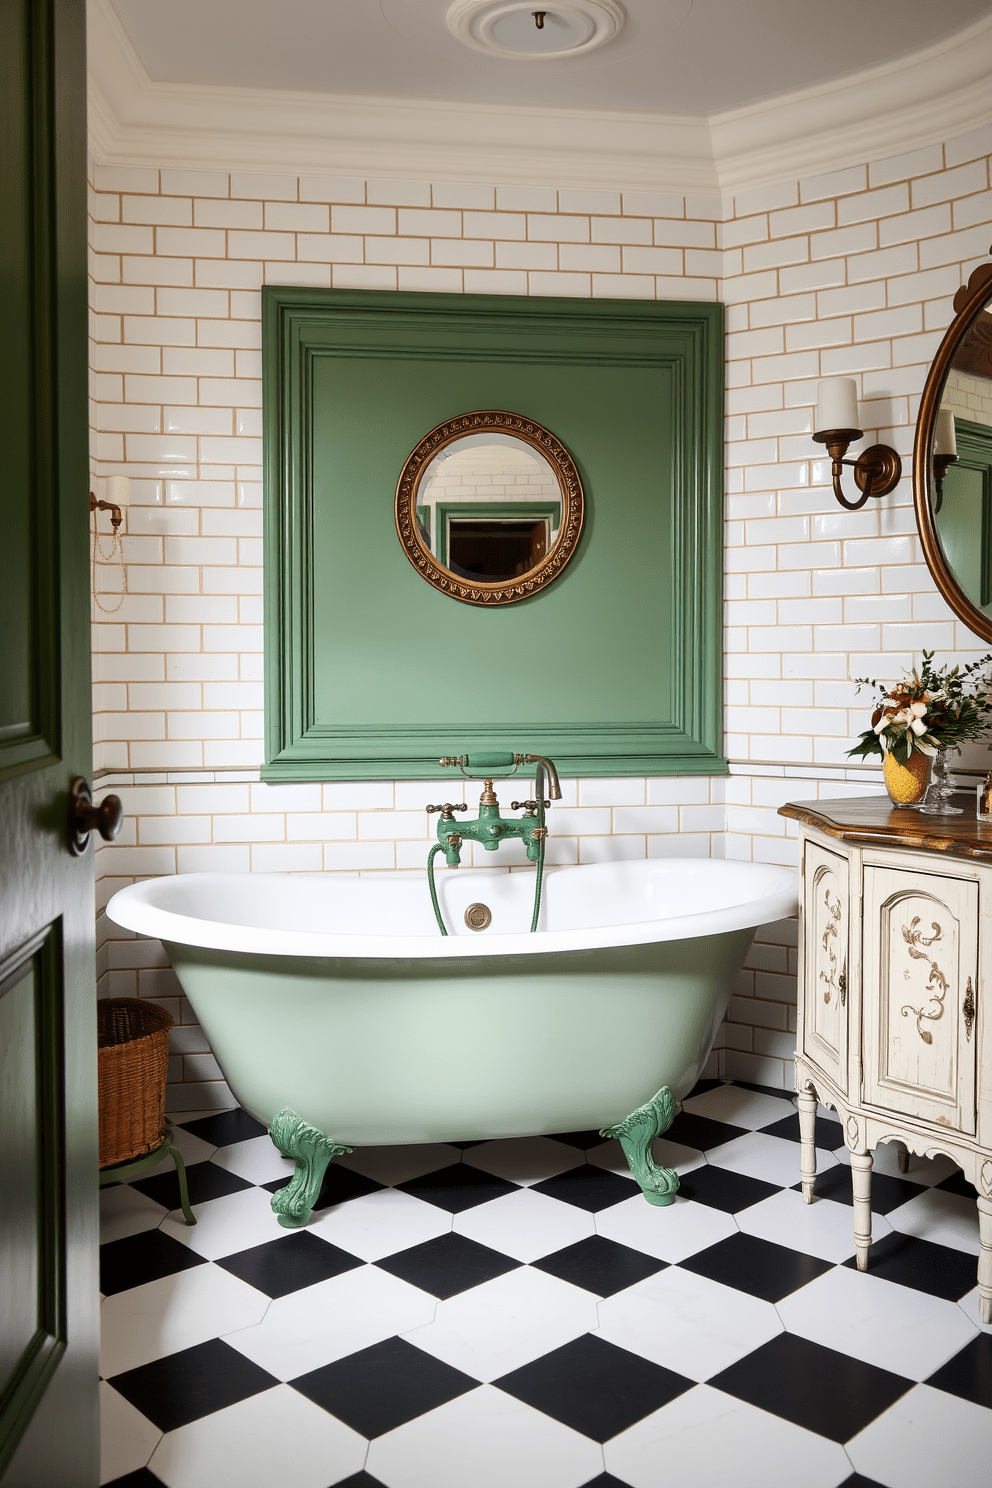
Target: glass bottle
x=983 y=807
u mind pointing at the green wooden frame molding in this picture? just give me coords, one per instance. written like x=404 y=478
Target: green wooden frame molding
x=506 y=511
x=683 y=338
x=975 y=453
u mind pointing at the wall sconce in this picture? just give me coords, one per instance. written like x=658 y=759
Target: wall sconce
x=945 y=453
x=876 y=470
x=118 y=490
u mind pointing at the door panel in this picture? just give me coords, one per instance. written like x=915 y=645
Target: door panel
x=48 y=1166
x=826 y=962
x=921 y=956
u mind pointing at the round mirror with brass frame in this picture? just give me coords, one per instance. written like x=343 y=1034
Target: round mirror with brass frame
x=505 y=549
x=958 y=395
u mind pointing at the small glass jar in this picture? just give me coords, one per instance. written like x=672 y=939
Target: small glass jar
x=983 y=807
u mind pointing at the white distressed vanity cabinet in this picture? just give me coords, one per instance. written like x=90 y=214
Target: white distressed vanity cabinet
x=895 y=964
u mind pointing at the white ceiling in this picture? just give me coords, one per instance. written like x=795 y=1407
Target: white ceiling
x=691 y=57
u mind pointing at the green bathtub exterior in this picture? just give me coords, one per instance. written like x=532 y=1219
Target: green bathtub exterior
x=377 y=1051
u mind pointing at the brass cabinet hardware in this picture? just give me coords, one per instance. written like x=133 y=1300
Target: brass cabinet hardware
x=969 y=1009
x=84 y=817
x=842 y=985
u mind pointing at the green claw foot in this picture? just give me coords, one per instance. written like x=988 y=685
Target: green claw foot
x=311 y=1151
x=635 y=1135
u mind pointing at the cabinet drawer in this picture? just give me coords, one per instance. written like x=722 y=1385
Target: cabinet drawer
x=825 y=1006
x=920 y=980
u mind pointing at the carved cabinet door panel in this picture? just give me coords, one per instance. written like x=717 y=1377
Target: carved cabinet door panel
x=826 y=962
x=920 y=991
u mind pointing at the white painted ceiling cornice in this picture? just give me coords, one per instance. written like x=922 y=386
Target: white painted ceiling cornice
x=931 y=96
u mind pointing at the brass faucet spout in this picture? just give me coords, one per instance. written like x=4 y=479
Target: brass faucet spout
x=547 y=767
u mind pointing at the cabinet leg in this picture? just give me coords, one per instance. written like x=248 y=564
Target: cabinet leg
x=985 y=1260
x=861 y=1164
x=902 y=1157
x=807 y=1142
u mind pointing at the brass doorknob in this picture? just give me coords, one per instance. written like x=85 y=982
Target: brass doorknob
x=84 y=817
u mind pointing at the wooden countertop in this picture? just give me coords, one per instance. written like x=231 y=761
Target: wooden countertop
x=874 y=820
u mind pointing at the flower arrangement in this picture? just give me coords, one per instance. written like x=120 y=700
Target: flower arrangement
x=933 y=708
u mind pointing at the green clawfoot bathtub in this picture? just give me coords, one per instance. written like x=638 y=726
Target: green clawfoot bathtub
x=341 y=1018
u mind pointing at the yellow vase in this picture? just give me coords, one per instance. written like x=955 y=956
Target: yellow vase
x=907 y=784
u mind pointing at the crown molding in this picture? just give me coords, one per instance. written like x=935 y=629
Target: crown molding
x=932 y=96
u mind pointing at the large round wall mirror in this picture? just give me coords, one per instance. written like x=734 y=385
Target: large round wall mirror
x=489 y=507
x=952 y=463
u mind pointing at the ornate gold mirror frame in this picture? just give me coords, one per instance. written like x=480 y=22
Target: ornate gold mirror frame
x=969 y=302
x=507 y=591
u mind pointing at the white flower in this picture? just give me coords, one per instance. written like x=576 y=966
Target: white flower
x=926 y=748
x=918 y=710
x=918 y=726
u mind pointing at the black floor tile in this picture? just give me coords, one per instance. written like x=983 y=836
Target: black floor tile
x=381 y=1387
x=719 y=1188
x=140 y=1479
x=464 y=1146
x=886 y=1193
x=856 y=1480
x=360 y=1480
x=957 y=1183
x=969 y=1373
x=182 y=1387
x=289 y=1264
x=581 y=1139
x=594 y=1387
x=144 y=1257
x=829 y=1134
x=588 y=1188
x=339 y=1185
x=920 y=1264
x=204 y=1180
x=599 y=1265
x=701 y=1087
x=701 y=1132
x=758 y=1267
x=457 y=1188
x=224 y=1127
x=812 y=1386
x=606 y=1480
x=447 y=1265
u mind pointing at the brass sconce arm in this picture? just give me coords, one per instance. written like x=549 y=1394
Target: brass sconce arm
x=116 y=516
x=877 y=470
x=941 y=465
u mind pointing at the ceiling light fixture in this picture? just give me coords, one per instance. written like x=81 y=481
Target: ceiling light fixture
x=515 y=32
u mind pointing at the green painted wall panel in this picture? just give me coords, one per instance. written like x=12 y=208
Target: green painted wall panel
x=615 y=668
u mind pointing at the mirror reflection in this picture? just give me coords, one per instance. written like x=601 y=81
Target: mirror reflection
x=961 y=458
x=489 y=507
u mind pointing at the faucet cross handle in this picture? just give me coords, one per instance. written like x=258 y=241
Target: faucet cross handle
x=527 y=805
x=447 y=808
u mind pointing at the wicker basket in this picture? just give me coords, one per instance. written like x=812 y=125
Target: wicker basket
x=133 y=1042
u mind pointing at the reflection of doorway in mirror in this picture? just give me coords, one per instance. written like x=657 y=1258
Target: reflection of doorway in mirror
x=964 y=516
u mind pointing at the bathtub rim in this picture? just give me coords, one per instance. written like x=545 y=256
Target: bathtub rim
x=133 y=908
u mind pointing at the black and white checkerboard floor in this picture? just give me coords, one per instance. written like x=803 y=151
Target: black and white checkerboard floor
x=513 y=1314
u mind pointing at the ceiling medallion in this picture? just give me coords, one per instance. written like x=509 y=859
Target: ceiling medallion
x=518 y=31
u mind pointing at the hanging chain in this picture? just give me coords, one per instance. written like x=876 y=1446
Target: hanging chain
x=116 y=547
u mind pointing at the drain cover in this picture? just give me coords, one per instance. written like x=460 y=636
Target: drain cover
x=478 y=916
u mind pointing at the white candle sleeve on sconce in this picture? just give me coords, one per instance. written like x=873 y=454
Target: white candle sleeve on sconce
x=836 y=404
x=945 y=439
x=118 y=490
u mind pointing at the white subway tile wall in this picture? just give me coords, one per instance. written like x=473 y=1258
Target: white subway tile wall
x=851 y=274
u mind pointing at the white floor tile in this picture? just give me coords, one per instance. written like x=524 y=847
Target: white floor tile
x=739 y=1107
x=127 y=1438
x=771 y=1158
x=192 y=1149
x=336 y=1317
x=379 y=1224
x=400 y=1164
x=505 y=1323
x=147 y=1322
x=926 y=1171
x=670 y=1232
x=890 y=1326
x=276 y=1438
x=944 y=1218
x=705 y=1438
x=124 y=1211
x=258 y=1160
x=525 y=1225
x=223 y=1226
x=969 y=1305
x=823 y=1228
x=927 y=1438
x=524 y=1159
x=687 y=1323
x=666 y=1154
x=484 y=1439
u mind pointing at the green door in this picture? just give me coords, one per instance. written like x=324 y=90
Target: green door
x=48 y=1158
